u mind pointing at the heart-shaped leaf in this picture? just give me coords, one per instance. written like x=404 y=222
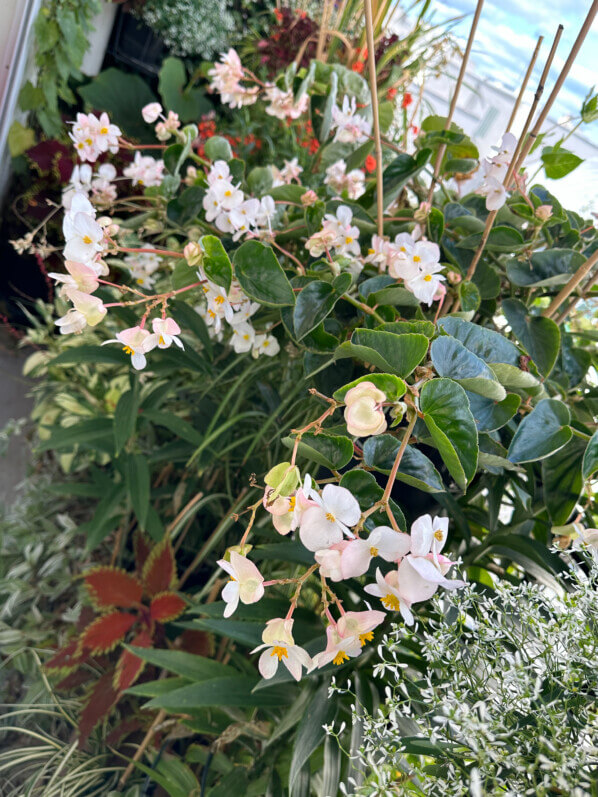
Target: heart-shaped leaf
x=399 y=354
x=261 y=275
x=451 y=359
x=331 y=451
x=542 y=432
x=540 y=337
x=416 y=469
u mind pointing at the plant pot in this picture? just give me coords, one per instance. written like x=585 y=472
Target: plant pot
x=134 y=44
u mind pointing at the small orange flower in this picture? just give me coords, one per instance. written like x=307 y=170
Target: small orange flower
x=391 y=93
x=407 y=100
x=358 y=67
x=370 y=163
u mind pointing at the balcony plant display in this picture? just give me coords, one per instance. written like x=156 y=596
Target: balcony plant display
x=304 y=387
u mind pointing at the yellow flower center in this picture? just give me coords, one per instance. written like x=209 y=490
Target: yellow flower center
x=428 y=278
x=438 y=535
x=348 y=240
x=104 y=131
x=87 y=239
x=402 y=249
x=212 y=314
x=246 y=337
x=374 y=551
x=340 y=657
x=219 y=300
x=330 y=517
x=140 y=281
x=228 y=193
x=367 y=637
x=128 y=350
x=266 y=343
x=371 y=251
x=292 y=502
x=80 y=145
x=279 y=651
x=161 y=341
x=140 y=182
x=417 y=259
x=391 y=601
x=89 y=142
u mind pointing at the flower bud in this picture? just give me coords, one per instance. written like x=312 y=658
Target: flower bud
x=193 y=254
x=284 y=478
x=363 y=412
x=422 y=213
x=454 y=277
x=151 y=112
x=153 y=226
x=309 y=198
x=278 y=630
x=543 y=212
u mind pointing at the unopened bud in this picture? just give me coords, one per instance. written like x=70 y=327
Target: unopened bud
x=193 y=254
x=453 y=277
x=153 y=226
x=422 y=213
x=544 y=212
x=309 y=198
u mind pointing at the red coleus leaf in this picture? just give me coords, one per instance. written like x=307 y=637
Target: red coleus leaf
x=141 y=549
x=159 y=570
x=66 y=658
x=198 y=642
x=109 y=587
x=129 y=666
x=103 y=697
x=166 y=606
x=105 y=632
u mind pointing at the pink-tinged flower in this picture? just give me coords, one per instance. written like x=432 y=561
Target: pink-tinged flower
x=279 y=645
x=90 y=307
x=338 y=179
x=324 y=525
x=360 y=625
x=321 y=241
x=283 y=105
x=79 y=276
x=351 y=128
x=167 y=331
x=390 y=592
x=384 y=541
x=106 y=134
x=246 y=582
x=330 y=560
x=151 y=112
x=295 y=506
x=339 y=649
x=145 y=170
x=309 y=198
x=363 y=410
x=137 y=342
x=72 y=323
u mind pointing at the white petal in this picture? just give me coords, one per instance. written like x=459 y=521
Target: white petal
x=342 y=504
x=268 y=664
x=414 y=588
x=422 y=534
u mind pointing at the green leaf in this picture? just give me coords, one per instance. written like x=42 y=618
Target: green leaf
x=590 y=458
x=217 y=148
x=380 y=451
x=326 y=120
x=399 y=354
x=546 y=268
x=91 y=354
x=183 y=275
x=235 y=691
x=331 y=451
x=190 y=103
x=314 y=302
x=260 y=180
x=96 y=433
x=426 y=328
x=512 y=377
x=389 y=384
x=490 y=346
x=394 y=295
x=469 y=296
x=435 y=225
x=125 y=416
x=562 y=480
x=216 y=262
x=261 y=275
x=287 y=193
x=451 y=359
x=540 y=337
x=542 y=432
x=399 y=172
x=367 y=491
x=490 y=415
x=501 y=239
x=186 y=206
x=20 y=139
x=173 y=775
x=122 y=95
x=138 y=486
x=450 y=422
x=310 y=733
x=559 y=162
x=195 y=668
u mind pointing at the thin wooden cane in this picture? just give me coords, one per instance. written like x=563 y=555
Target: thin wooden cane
x=568 y=289
x=453 y=104
x=323 y=29
x=528 y=74
x=369 y=28
x=560 y=80
x=585 y=293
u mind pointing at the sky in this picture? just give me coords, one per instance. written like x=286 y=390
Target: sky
x=506 y=37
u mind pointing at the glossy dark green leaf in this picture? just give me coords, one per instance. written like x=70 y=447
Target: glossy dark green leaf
x=216 y=262
x=398 y=173
x=261 y=275
x=416 y=469
x=470 y=296
x=228 y=691
x=189 y=665
x=122 y=95
x=138 y=485
x=590 y=458
x=314 y=302
x=451 y=359
x=542 y=432
x=399 y=354
x=501 y=239
x=426 y=328
x=183 y=275
x=490 y=415
x=562 y=480
x=391 y=385
x=125 y=416
x=331 y=451
x=540 y=337
x=549 y=267
x=394 y=295
x=185 y=207
x=490 y=346
x=435 y=225
x=449 y=420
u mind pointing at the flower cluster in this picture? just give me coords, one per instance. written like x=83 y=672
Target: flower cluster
x=339 y=180
x=226 y=205
x=97 y=186
x=494 y=172
x=92 y=136
x=337 y=234
x=350 y=127
x=145 y=171
x=168 y=125
x=226 y=80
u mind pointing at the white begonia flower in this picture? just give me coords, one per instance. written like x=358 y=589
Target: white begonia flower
x=330 y=560
x=90 y=307
x=73 y=322
x=145 y=171
x=347 y=235
x=424 y=286
x=388 y=589
x=167 y=331
x=137 y=342
x=324 y=525
x=363 y=410
x=220 y=171
x=351 y=128
x=291 y=171
x=279 y=645
x=243 y=337
x=246 y=583
x=383 y=541
x=81 y=277
x=151 y=112
x=265 y=344
x=283 y=105
x=353 y=182
x=339 y=649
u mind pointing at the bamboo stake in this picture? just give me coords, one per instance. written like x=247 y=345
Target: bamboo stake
x=453 y=104
x=568 y=289
x=560 y=80
x=515 y=159
x=159 y=718
x=323 y=28
x=585 y=293
x=369 y=28
x=528 y=74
